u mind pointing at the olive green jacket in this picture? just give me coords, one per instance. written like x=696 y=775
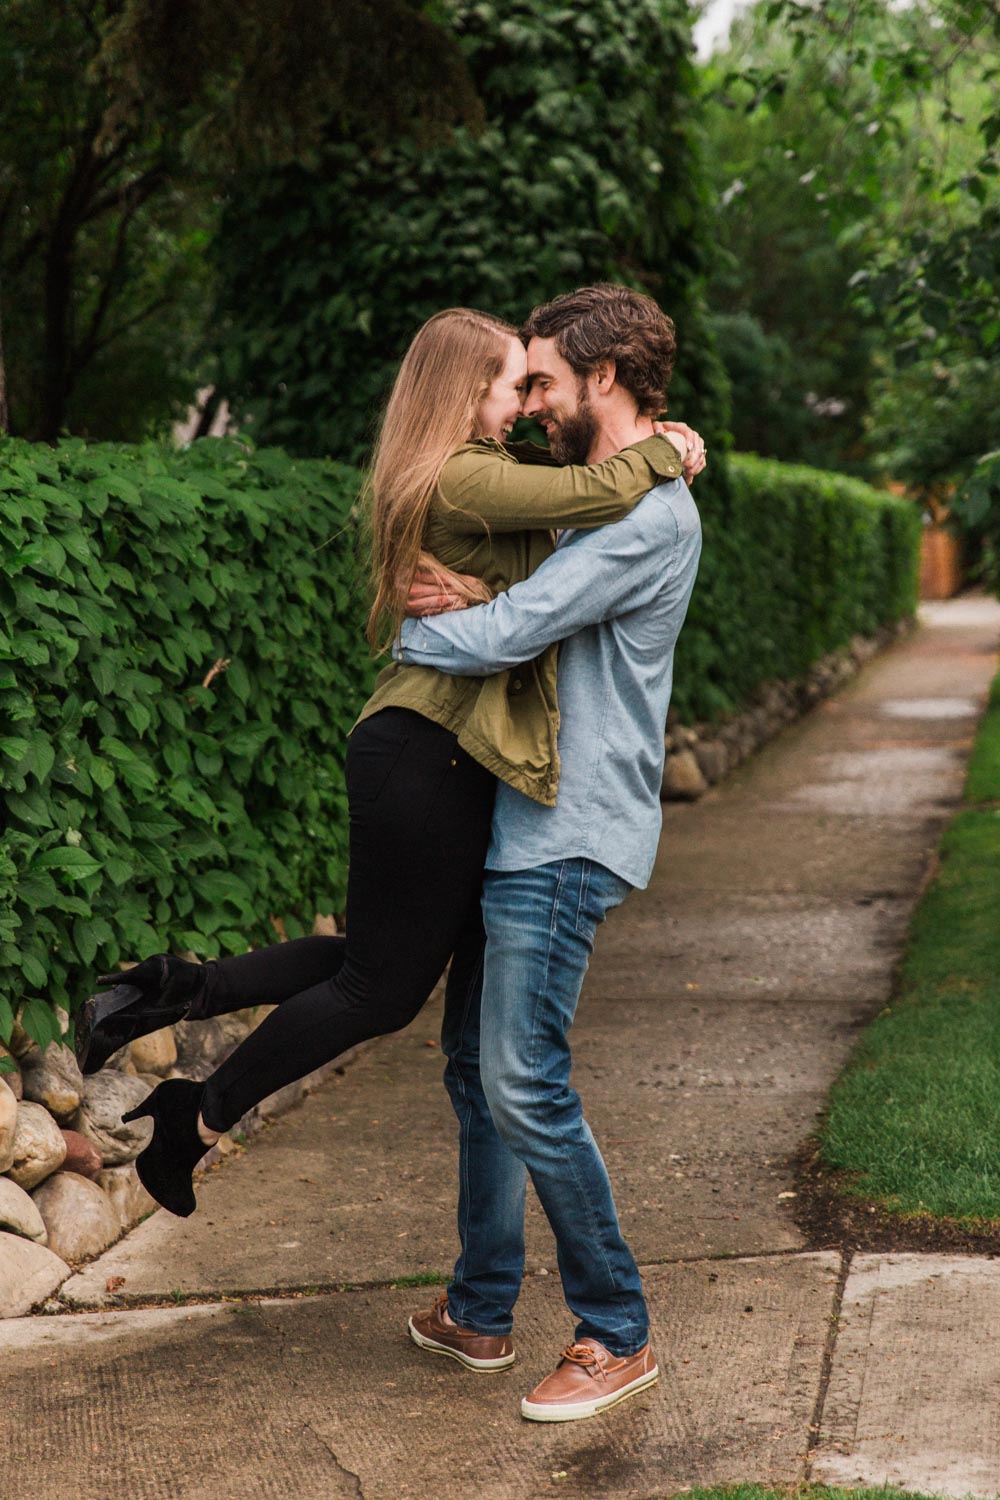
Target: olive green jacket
x=493 y=516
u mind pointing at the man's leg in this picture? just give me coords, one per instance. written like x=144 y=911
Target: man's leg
x=540 y=927
x=492 y=1179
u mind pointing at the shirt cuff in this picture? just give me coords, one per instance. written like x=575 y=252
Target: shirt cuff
x=661 y=455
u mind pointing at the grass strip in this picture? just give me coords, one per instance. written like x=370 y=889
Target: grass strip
x=913 y=1123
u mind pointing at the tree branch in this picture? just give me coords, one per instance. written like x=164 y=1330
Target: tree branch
x=139 y=317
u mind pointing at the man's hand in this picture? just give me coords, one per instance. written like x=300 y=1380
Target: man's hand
x=436 y=590
x=691 y=448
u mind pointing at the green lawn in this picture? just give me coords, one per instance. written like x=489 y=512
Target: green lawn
x=915 y=1119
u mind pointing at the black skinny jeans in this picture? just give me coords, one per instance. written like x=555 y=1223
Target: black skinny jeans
x=420 y=812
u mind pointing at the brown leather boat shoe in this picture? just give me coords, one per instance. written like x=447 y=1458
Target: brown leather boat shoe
x=587 y=1380
x=435 y=1330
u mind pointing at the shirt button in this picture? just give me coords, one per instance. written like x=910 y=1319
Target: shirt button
x=454 y=762
x=516 y=685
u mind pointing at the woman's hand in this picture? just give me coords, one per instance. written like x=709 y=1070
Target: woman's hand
x=437 y=590
x=691 y=447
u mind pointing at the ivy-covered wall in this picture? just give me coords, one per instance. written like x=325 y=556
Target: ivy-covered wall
x=587 y=170
x=141 y=808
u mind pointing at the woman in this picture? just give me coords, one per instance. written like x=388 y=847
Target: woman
x=422 y=759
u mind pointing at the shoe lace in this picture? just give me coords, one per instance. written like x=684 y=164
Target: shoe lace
x=587 y=1356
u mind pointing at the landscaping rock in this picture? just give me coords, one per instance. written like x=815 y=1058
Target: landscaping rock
x=12 y=1078
x=39 y=1149
x=79 y=1218
x=28 y=1274
x=201 y=1045
x=8 y=1122
x=126 y=1194
x=82 y=1156
x=156 y=1053
x=324 y=925
x=53 y=1078
x=106 y=1097
x=18 y=1215
x=234 y=1030
x=20 y=1042
x=713 y=760
x=682 y=778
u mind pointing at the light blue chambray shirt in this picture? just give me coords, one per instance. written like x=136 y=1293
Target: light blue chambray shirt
x=616 y=598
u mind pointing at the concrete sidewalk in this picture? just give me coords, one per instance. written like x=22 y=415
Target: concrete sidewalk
x=721 y=1005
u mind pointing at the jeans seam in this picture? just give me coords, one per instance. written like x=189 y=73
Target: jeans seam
x=581 y=1193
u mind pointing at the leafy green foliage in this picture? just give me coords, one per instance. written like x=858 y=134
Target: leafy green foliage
x=853 y=150
x=148 y=804
x=587 y=169
x=976 y=511
x=795 y=563
x=123 y=124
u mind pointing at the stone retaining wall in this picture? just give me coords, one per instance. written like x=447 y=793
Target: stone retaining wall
x=68 y=1183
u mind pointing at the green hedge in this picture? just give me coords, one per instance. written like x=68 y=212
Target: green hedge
x=796 y=561
x=143 y=809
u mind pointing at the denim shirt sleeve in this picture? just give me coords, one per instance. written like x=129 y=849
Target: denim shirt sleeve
x=592 y=576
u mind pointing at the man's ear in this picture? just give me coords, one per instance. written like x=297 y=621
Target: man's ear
x=603 y=376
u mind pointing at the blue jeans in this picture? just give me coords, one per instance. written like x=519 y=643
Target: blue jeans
x=508 y=1076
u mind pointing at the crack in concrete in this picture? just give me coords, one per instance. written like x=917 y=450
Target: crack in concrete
x=123 y=1302
x=826 y=1367
x=347 y=1473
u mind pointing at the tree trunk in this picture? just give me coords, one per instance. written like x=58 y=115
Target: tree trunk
x=56 y=351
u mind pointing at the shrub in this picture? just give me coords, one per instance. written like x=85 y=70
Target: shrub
x=796 y=561
x=147 y=806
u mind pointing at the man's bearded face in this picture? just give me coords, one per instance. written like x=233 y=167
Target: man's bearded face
x=571 y=433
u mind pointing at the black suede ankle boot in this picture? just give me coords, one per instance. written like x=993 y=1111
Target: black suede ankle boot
x=156 y=993
x=166 y=1165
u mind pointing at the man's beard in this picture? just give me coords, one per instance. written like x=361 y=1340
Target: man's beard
x=573 y=439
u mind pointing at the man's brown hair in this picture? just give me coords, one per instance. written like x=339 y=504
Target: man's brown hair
x=612 y=322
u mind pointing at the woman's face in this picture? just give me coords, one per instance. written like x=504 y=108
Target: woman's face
x=501 y=406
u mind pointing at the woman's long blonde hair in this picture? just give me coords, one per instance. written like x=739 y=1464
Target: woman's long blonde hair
x=433 y=409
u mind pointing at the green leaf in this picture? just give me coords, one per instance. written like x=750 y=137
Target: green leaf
x=102 y=773
x=239 y=680
x=33 y=971
x=40 y=1022
x=15 y=749
x=85 y=940
x=76 y=863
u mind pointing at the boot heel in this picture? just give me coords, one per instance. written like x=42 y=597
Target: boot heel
x=176 y=1148
x=141 y=1111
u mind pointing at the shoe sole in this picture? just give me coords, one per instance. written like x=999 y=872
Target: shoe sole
x=584 y=1409
x=91 y=1053
x=483 y=1366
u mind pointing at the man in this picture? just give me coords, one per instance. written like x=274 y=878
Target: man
x=598 y=364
